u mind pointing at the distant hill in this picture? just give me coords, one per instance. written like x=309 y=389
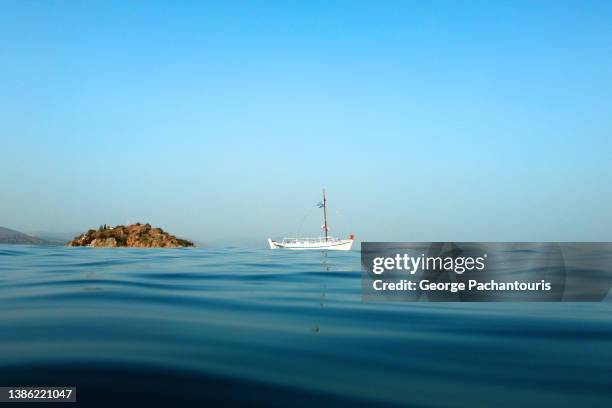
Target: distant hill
x=9 y=236
x=53 y=238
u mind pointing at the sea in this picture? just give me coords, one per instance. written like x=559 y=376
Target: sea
x=256 y=327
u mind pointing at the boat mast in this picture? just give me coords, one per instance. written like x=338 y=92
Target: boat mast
x=325 y=214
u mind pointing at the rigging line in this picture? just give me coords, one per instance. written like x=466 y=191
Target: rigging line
x=301 y=224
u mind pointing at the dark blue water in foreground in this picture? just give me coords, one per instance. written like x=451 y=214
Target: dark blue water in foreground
x=203 y=326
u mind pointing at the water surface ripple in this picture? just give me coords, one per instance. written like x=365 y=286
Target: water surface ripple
x=249 y=326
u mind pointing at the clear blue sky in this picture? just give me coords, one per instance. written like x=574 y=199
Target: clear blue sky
x=475 y=120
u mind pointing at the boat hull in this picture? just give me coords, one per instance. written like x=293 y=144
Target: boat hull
x=336 y=245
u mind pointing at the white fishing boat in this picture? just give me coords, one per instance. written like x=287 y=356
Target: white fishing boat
x=326 y=242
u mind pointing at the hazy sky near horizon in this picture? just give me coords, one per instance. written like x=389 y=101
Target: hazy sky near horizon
x=221 y=121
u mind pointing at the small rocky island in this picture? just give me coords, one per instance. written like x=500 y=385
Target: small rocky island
x=135 y=235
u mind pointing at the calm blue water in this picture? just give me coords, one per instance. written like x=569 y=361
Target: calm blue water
x=280 y=328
